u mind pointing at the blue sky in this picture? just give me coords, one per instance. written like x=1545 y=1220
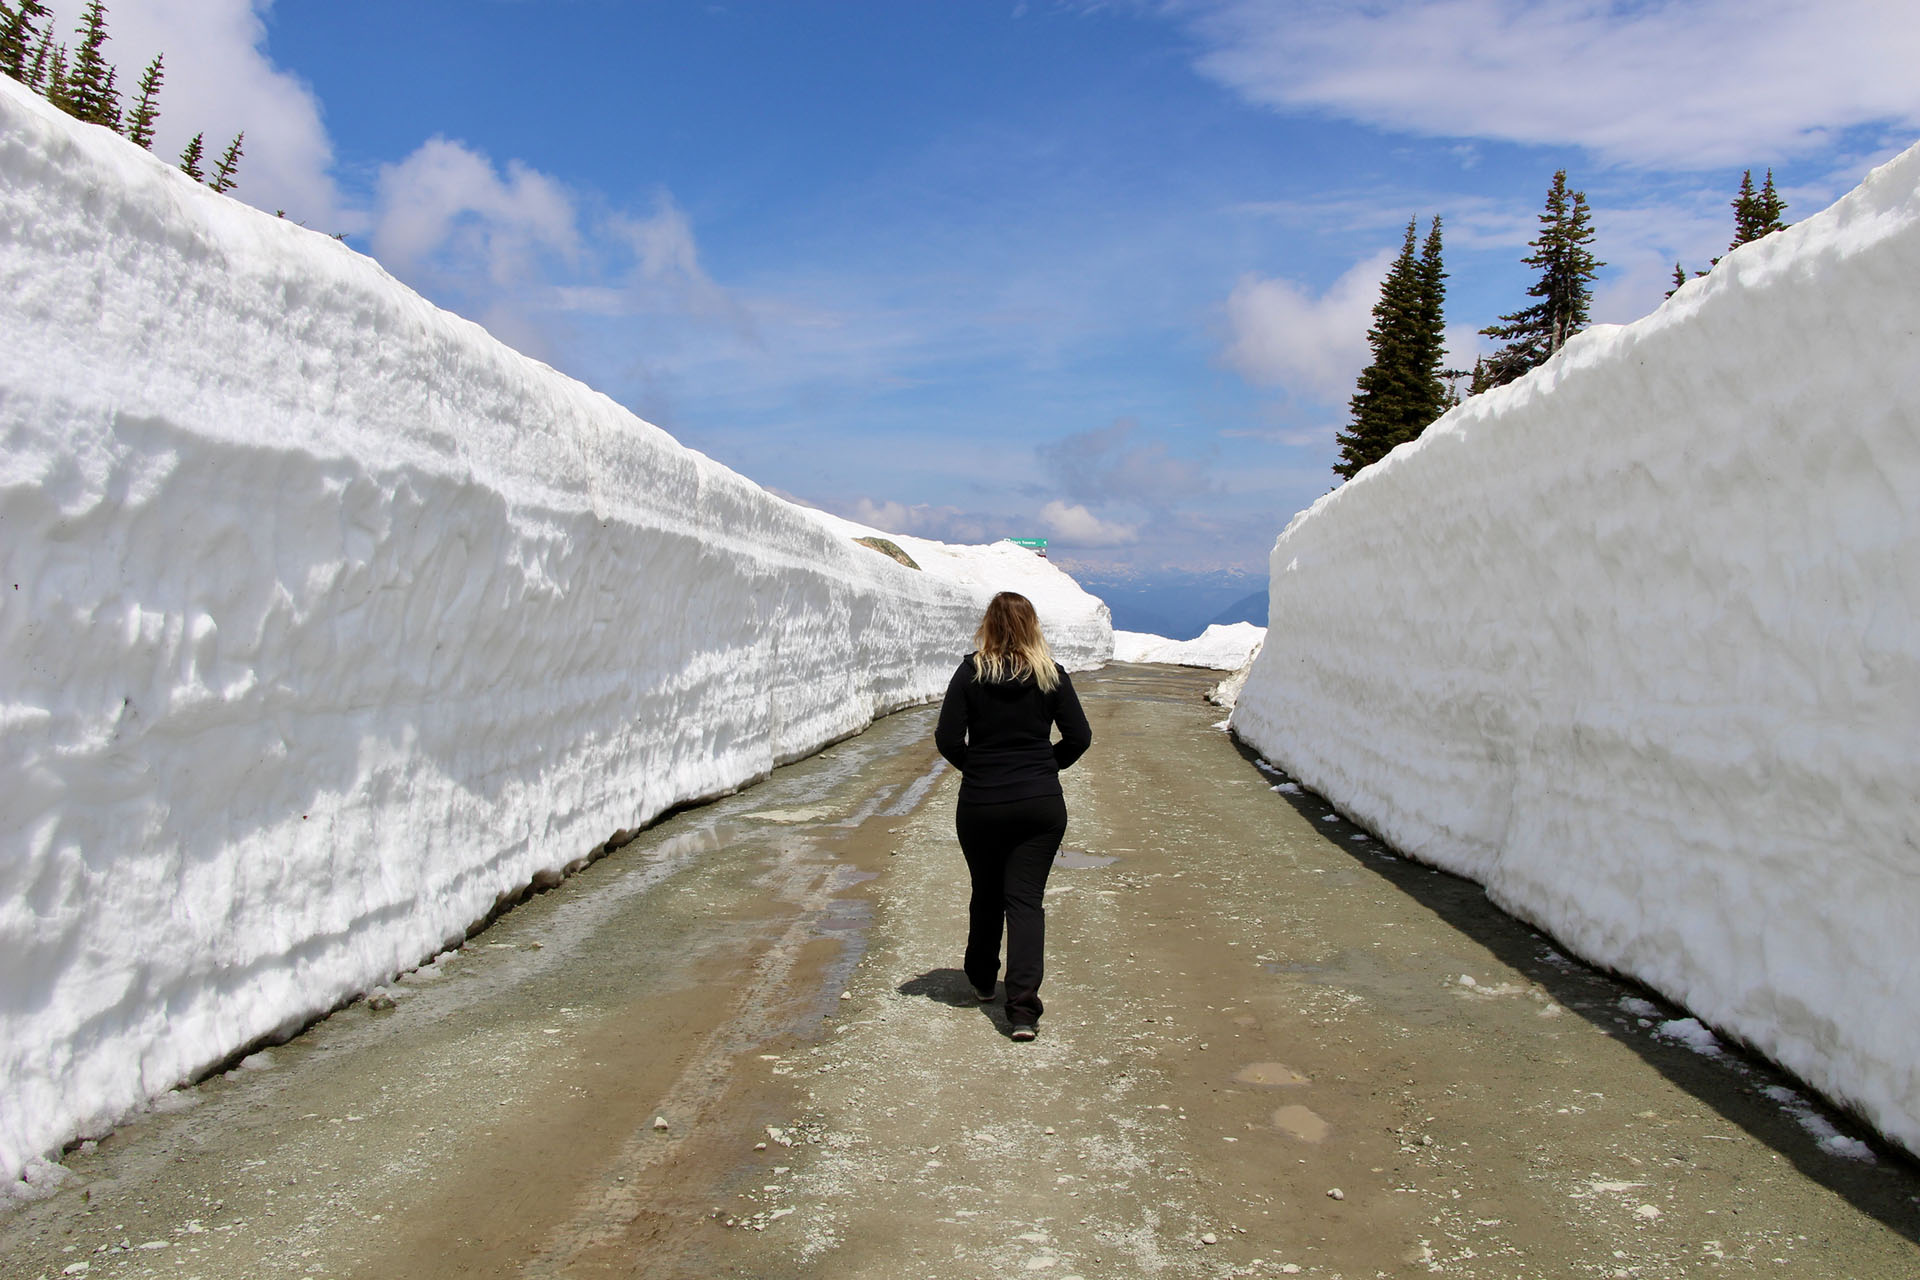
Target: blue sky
x=1094 y=272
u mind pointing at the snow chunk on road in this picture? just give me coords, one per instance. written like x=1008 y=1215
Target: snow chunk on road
x=1825 y=1136
x=1690 y=1032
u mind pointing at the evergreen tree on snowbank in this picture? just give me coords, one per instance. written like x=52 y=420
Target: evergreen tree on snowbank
x=86 y=89
x=1401 y=391
x=20 y=38
x=146 y=111
x=228 y=162
x=90 y=93
x=1755 y=214
x=1565 y=288
x=190 y=158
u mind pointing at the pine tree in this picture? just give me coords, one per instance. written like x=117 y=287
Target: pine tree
x=1771 y=206
x=37 y=73
x=146 y=110
x=18 y=37
x=1679 y=278
x=1376 y=404
x=110 y=113
x=56 y=90
x=1746 y=213
x=13 y=43
x=229 y=161
x=1482 y=379
x=1756 y=213
x=1430 y=348
x=87 y=94
x=1567 y=268
x=1401 y=391
x=190 y=158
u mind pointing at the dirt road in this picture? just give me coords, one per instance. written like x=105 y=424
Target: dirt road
x=742 y=1046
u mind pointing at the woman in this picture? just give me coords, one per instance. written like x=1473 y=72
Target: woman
x=996 y=728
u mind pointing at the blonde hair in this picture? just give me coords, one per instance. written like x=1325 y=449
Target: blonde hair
x=1011 y=645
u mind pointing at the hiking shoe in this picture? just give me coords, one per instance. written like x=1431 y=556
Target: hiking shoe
x=1025 y=1031
x=983 y=996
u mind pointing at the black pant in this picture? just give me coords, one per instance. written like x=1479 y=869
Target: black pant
x=1009 y=849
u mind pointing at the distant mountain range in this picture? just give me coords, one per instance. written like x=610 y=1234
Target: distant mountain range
x=1177 y=605
x=1252 y=608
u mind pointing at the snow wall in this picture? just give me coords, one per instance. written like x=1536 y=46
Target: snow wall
x=1635 y=642
x=1224 y=646
x=329 y=621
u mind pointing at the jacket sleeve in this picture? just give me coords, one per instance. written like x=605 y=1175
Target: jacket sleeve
x=1076 y=735
x=950 y=734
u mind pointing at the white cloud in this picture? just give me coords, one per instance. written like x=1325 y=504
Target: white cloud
x=219 y=80
x=667 y=265
x=942 y=524
x=1644 y=241
x=894 y=517
x=1070 y=524
x=446 y=205
x=1665 y=83
x=541 y=265
x=1283 y=335
x=1464 y=344
x=1076 y=526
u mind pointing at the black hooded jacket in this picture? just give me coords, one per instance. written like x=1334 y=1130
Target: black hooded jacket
x=999 y=735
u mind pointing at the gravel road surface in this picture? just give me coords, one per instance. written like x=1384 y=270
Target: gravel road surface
x=742 y=1046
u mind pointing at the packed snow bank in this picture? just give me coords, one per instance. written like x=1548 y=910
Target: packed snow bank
x=1636 y=642
x=1078 y=626
x=329 y=622
x=1227 y=692
x=1223 y=647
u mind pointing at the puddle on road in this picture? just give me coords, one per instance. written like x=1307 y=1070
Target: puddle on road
x=789 y=817
x=1269 y=1073
x=1080 y=858
x=674 y=845
x=915 y=791
x=1301 y=1122
x=841 y=914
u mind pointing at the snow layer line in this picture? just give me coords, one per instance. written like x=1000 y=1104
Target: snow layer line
x=1633 y=642
x=329 y=620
